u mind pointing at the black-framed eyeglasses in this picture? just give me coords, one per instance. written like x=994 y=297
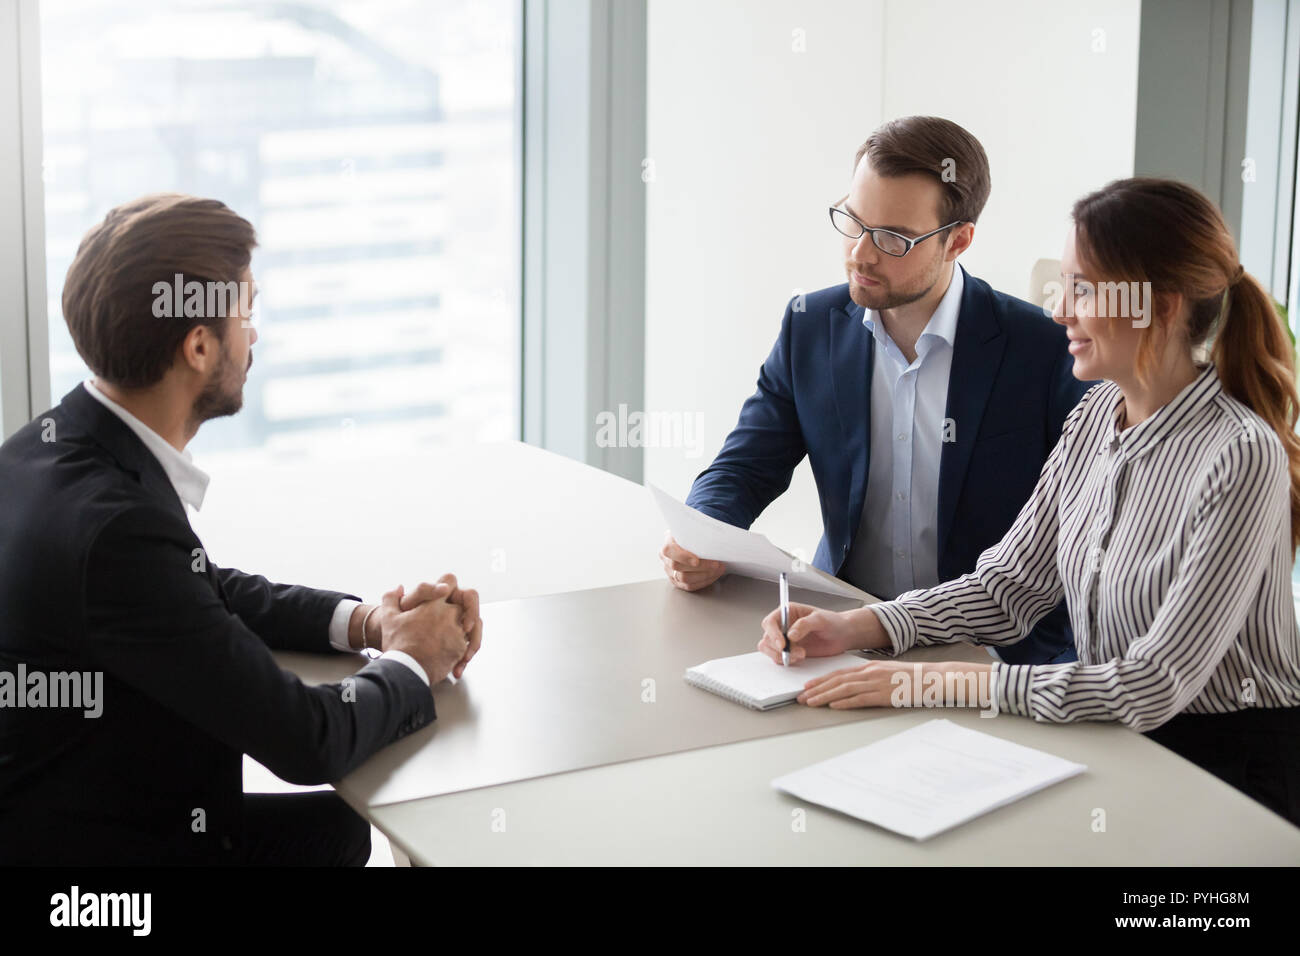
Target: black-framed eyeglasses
x=890 y=243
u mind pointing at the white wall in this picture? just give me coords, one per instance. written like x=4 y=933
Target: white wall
x=1056 y=118
x=752 y=139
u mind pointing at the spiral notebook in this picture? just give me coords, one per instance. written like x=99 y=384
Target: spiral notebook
x=757 y=681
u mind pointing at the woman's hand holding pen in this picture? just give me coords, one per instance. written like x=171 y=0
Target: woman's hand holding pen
x=818 y=633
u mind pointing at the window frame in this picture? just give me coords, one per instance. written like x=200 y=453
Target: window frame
x=24 y=333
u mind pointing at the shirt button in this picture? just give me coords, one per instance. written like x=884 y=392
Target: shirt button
x=1096 y=559
x=902 y=436
x=900 y=552
x=902 y=496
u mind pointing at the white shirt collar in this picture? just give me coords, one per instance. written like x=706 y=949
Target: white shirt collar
x=190 y=481
x=943 y=323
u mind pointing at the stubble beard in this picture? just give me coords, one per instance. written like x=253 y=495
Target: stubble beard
x=885 y=298
x=222 y=396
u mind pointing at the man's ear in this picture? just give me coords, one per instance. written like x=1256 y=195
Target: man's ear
x=200 y=350
x=959 y=240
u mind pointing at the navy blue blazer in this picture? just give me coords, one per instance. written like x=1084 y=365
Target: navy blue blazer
x=1009 y=390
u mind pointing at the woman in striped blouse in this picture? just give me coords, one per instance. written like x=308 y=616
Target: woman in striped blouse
x=1167 y=516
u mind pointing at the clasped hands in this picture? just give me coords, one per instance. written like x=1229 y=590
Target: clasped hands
x=437 y=624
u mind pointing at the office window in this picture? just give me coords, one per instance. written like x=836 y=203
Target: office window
x=373 y=143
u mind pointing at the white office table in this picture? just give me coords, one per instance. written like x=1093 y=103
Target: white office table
x=716 y=806
x=509 y=519
x=514 y=522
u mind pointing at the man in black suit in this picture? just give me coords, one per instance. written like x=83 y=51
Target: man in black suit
x=108 y=593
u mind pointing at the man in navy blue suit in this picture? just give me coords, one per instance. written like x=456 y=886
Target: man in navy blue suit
x=926 y=401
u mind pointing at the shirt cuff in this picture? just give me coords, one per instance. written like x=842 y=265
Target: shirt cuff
x=1011 y=686
x=339 y=625
x=339 y=638
x=409 y=661
x=898 y=624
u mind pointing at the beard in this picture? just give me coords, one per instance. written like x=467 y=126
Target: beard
x=884 y=297
x=223 y=394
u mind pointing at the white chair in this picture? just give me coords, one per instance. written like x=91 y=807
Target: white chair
x=1044 y=282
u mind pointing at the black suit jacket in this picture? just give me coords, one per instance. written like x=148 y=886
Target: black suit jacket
x=100 y=571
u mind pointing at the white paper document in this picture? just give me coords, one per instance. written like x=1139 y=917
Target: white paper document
x=747 y=553
x=927 y=779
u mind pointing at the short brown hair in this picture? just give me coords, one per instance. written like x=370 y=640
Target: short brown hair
x=939 y=148
x=108 y=294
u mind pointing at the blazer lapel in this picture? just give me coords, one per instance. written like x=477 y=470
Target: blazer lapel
x=850 y=362
x=976 y=353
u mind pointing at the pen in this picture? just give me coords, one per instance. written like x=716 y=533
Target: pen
x=785 y=620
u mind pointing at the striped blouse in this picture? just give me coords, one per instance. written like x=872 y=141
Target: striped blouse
x=1171 y=544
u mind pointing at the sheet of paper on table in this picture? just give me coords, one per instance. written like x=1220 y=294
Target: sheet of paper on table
x=744 y=552
x=927 y=779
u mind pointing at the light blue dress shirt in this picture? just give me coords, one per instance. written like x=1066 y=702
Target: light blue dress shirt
x=896 y=547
